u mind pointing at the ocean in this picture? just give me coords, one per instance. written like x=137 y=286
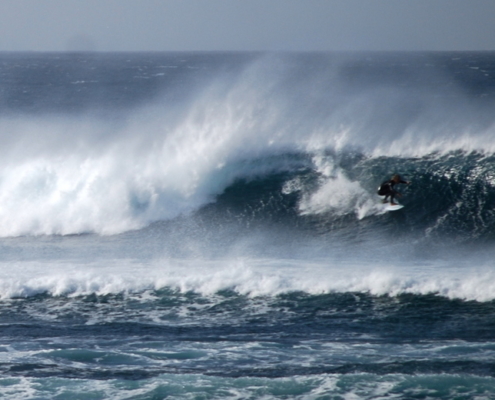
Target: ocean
x=207 y=226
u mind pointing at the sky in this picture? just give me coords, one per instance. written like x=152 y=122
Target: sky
x=247 y=25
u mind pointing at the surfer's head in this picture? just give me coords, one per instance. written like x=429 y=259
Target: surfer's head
x=396 y=178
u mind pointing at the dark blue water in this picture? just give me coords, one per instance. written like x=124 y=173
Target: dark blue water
x=206 y=225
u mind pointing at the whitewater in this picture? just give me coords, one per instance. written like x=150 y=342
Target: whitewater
x=206 y=225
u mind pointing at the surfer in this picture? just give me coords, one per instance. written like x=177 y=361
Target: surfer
x=387 y=189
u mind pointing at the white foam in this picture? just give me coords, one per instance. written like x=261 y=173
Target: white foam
x=144 y=172
x=254 y=277
x=335 y=194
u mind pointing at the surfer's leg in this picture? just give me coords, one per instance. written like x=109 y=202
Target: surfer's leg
x=392 y=197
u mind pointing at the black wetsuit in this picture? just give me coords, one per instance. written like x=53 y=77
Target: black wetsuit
x=387 y=189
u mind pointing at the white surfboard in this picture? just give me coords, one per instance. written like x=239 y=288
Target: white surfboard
x=390 y=207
